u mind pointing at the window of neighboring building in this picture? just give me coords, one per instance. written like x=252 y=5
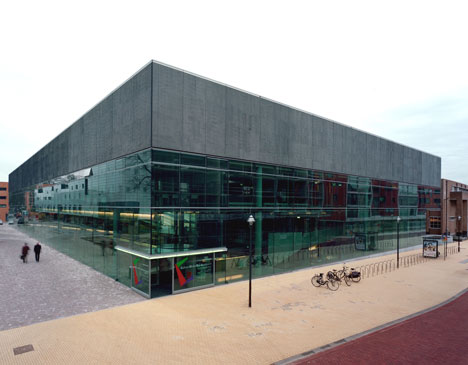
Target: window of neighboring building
x=434 y=222
x=2 y=189
x=3 y=206
x=2 y=197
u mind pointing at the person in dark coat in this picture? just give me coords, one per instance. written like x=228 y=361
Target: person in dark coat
x=37 y=251
x=24 y=253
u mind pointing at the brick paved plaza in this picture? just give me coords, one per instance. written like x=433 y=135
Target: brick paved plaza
x=438 y=336
x=56 y=287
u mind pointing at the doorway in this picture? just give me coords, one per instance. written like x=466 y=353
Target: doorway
x=161 y=277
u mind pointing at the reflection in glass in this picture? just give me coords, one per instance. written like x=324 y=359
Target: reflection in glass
x=160 y=202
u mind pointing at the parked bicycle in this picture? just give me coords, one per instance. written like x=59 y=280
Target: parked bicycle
x=331 y=282
x=349 y=275
x=343 y=275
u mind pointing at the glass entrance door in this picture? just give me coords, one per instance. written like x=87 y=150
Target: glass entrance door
x=161 y=277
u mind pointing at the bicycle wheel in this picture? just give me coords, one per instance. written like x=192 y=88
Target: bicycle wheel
x=315 y=280
x=347 y=280
x=332 y=284
x=341 y=274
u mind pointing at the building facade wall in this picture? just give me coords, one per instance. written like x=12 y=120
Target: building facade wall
x=157 y=201
x=193 y=114
x=454 y=205
x=117 y=126
x=167 y=108
x=174 y=163
x=4 y=201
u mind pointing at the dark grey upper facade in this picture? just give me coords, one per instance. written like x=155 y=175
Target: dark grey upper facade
x=164 y=107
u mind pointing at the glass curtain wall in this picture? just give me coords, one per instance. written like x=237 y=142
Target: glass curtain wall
x=160 y=202
x=87 y=213
x=303 y=217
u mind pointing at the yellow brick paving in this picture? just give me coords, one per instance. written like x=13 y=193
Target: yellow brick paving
x=215 y=326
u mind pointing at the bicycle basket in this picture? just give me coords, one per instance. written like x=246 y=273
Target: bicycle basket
x=355 y=274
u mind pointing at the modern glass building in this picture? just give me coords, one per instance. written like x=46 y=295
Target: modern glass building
x=154 y=185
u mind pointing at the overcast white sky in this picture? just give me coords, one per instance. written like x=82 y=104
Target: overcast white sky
x=397 y=69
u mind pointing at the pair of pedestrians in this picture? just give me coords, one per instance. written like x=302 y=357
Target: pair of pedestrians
x=25 y=251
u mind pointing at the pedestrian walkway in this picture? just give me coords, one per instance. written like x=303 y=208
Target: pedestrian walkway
x=439 y=336
x=55 y=287
x=288 y=317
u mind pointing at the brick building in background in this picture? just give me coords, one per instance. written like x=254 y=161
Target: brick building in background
x=4 y=201
x=453 y=204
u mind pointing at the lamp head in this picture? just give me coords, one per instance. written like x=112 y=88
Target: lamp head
x=398 y=219
x=251 y=220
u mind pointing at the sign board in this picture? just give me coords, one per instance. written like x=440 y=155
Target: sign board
x=360 y=242
x=430 y=248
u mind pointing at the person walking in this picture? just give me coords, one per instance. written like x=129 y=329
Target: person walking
x=24 y=253
x=37 y=251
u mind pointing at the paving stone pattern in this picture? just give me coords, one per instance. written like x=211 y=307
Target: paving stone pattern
x=216 y=326
x=436 y=337
x=58 y=286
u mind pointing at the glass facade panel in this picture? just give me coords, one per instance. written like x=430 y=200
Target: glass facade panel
x=194 y=160
x=192 y=187
x=216 y=188
x=166 y=183
x=193 y=271
x=162 y=202
x=216 y=163
x=140 y=274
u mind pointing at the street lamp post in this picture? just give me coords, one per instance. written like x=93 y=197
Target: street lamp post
x=250 y=221
x=446 y=219
x=398 y=242
x=459 y=232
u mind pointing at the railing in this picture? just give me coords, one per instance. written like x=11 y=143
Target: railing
x=285 y=260
x=386 y=266
x=350 y=249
